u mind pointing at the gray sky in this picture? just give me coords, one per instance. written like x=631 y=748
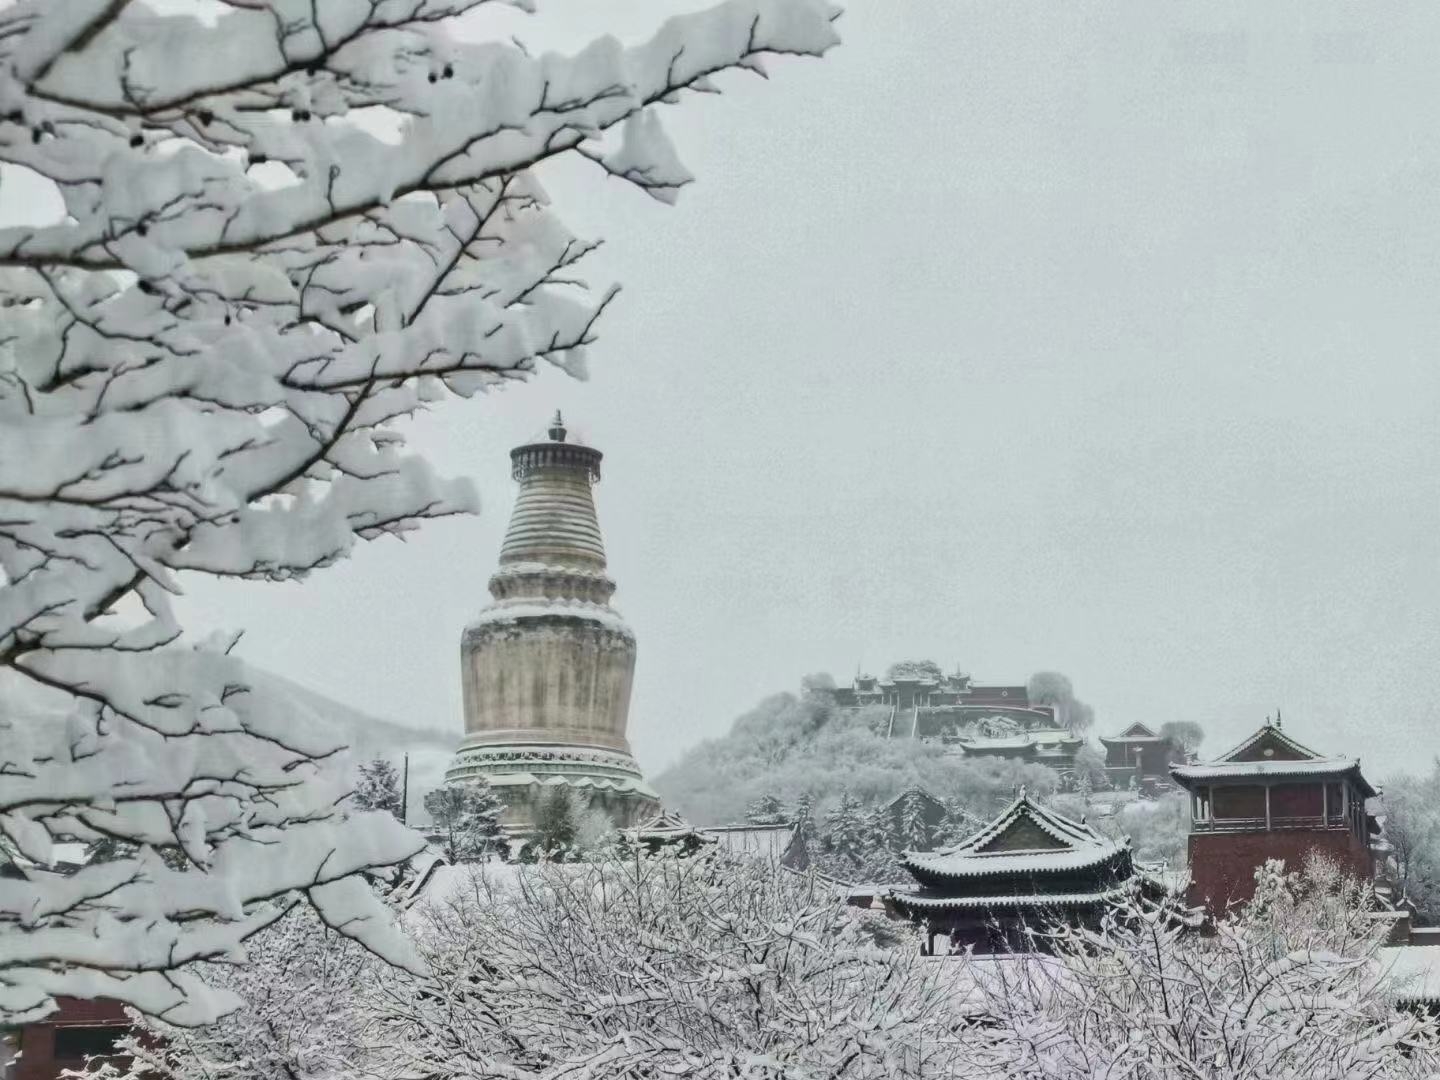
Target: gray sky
x=1097 y=338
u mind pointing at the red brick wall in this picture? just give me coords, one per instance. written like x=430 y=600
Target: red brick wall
x=37 y=1041
x=1223 y=865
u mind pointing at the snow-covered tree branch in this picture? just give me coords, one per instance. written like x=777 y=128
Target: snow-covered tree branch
x=199 y=370
x=709 y=966
x=1289 y=986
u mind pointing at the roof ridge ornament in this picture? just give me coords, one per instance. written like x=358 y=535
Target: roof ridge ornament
x=557 y=430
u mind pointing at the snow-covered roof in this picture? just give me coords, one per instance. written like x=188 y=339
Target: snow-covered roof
x=667 y=824
x=770 y=841
x=1135 y=733
x=920 y=902
x=1293 y=759
x=1231 y=769
x=1268 y=730
x=1073 y=845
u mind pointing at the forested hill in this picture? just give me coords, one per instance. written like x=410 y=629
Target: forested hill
x=791 y=746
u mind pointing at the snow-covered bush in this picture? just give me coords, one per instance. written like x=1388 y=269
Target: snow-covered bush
x=1288 y=987
x=635 y=966
x=298 y=1022
x=200 y=369
x=711 y=966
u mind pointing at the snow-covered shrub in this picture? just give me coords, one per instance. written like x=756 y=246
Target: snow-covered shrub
x=201 y=367
x=299 y=1019
x=711 y=966
x=1288 y=987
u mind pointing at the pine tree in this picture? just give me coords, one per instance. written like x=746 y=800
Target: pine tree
x=956 y=825
x=845 y=828
x=914 y=830
x=379 y=788
x=557 y=824
x=804 y=817
x=468 y=819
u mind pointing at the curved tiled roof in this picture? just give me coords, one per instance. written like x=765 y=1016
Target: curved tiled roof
x=1306 y=763
x=1077 y=847
x=1017 y=862
x=918 y=902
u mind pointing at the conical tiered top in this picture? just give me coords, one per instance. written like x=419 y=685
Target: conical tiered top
x=554 y=522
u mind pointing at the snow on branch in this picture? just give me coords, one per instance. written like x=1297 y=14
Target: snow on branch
x=200 y=371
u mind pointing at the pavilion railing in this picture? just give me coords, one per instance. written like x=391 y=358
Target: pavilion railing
x=1277 y=821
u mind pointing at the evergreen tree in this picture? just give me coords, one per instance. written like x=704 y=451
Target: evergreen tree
x=557 y=824
x=914 y=830
x=467 y=817
x=804 y=817
x=379 y=788
x=957 y=824
x=845 y=828
x=766 y=810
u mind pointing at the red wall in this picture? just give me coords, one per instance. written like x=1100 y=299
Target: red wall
x=1223 y=865
x=37 y=1041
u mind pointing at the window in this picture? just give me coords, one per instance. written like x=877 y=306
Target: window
x=82 y=1042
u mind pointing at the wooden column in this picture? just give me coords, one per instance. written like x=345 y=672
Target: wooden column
x=1324 y=804
x=1267 y=807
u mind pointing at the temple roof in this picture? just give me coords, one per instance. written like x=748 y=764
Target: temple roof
x=1270 y=753
x=1025 y=839
x=1135 y=733
x=920 y=902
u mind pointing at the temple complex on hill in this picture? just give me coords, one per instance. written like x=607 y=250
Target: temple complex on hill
x=1271 y=798
x=1026 y=870
x=966 y=717
x=547 y=667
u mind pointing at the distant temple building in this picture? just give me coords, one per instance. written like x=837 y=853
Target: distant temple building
x=967 y=718
x=1026 y=870
x=1139 y=754
x=547 y=667
x=1271 y=798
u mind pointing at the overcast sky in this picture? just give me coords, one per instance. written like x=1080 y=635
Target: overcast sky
x=1094 y=338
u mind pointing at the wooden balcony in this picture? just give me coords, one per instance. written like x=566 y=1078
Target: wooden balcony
x=1259 y=824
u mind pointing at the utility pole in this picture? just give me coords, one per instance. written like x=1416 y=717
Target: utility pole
x=405 y=794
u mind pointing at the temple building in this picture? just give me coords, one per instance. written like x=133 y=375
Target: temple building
x=546 y=668
x=1027 y=869
x=965 y=717
x=1139 y=754
x=1271 y=798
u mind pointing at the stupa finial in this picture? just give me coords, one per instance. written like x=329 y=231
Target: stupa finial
x=557 y=430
